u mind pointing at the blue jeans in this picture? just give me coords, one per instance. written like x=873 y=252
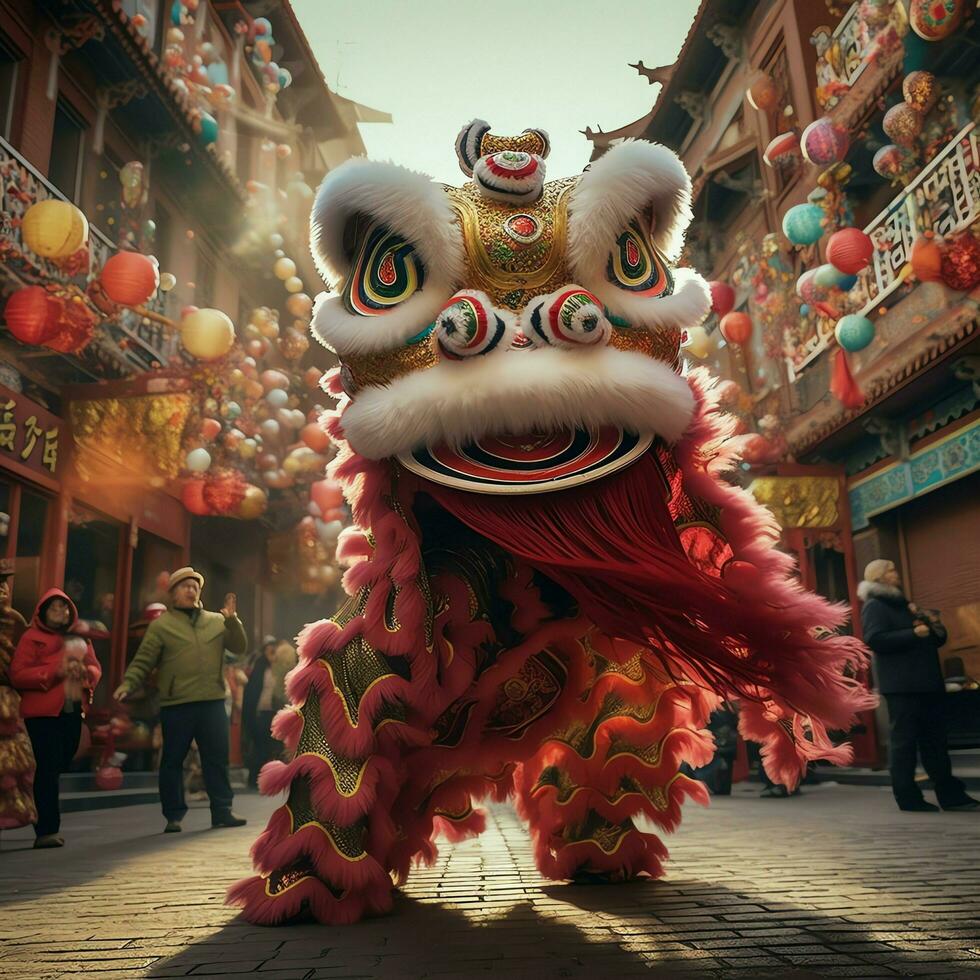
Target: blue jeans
x=206 y=723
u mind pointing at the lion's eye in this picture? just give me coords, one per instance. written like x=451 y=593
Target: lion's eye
x=386 y=272
x=635 y=265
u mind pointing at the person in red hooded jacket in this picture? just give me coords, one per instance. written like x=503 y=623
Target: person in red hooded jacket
x=55 y=672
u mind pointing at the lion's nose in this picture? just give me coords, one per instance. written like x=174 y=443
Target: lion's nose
x=569 y=317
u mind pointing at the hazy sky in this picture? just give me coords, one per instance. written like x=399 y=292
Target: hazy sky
x=557 y=65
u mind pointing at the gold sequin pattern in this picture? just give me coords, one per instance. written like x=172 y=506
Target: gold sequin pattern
x=347 y=773
x=662 y=345
x=509 y=272
x=354 y=671
x=348 y=841
x=525 y=143
x=383 y=367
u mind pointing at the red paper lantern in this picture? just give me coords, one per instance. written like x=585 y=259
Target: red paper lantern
x=224 y=492
x=961 y=263
x=130 y=278
x=849 y=250
x=326 y=495
x=192 y=497
x=926 y=259
x=736 y=328
x=29 y=315
x=722 y=297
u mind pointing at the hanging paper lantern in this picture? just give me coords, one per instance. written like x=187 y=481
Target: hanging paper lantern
x=207 y=334
x=934 y=20
x=273 y=379
x=782 y=150
x=130 y=278
x=284 y=268
x=192 y=497
x=54 y=229
x=849 y=250
x=920 y=90
x=926 y=259
x=277 y=398
x=824 y=142
x=854 y=332
x=961 y=263
x=722 y=297
x=887 y=162
x=763 y=94
x=294 y=284
x=210 y=429
x=902 y=124
x=29 y=315
x=803 y=224
x=736 y=327
x=315 y=437
x=806 y=287
x=254 y=503
x=846 y=283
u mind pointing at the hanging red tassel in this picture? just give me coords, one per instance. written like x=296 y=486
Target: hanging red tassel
x=842 y=384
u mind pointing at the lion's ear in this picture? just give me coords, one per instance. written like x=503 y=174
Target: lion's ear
x=361 y=194
x=634 y=183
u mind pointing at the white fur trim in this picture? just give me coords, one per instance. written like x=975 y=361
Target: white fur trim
x=409 y=203
x=616 y=189
x=876 y=590
x=686 y=307
x=345 y=333
x=511 y=392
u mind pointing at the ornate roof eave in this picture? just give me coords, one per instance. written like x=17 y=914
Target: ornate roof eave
x=162 y=83
x=944 y=338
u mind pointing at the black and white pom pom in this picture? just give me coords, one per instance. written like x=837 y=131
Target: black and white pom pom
x=511 y=176
x=469 y=325
x=569 y=317
x=468 y=144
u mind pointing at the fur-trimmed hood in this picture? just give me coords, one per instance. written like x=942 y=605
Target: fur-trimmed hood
x=877 y=590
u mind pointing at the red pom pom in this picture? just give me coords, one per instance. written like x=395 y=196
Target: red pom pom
x=961 y=263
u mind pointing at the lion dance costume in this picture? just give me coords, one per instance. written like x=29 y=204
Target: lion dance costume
x=550 y=585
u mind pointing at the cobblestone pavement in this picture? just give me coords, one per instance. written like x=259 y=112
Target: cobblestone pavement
x=835 y=883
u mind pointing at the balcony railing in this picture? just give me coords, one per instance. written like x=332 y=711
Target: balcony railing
x=944 y=198
x=20 y=187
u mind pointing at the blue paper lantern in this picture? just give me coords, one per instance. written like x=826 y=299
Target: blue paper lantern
x=209 y=129
x=846 y=283
x=803 y=224
x=827 y=276
x=854 y=332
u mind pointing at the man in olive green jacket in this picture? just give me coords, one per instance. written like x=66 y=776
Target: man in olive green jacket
x=186 y=645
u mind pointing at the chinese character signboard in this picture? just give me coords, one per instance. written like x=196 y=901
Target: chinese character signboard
x=30 y=435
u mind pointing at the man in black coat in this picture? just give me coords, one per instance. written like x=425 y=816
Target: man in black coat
x=906 y=642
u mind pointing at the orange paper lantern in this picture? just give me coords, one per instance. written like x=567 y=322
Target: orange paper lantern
x=927 y=260
x=130 y=278
x=315 y=437
x=736 y=327
x=28 y=315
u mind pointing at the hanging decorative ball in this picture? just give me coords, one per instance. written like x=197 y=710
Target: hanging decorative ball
x=763 y=94
x=315 y=437
x=192 y=497
x=854 y=332
x=849 y=250
x=920 y=90
x=722 y=297
x=207 y=128
x=130 y=278
x=824 y=142
x=326 y=494
x=294 y=284
x=934 y=20
x=198 y=460
x=827 y=276
x=274 y=379
x=224 y=492
x=300 y=306
x=207 y=334
x=926 y=259
x=887 y=162
x=846 y=283
x=210 y=429
x=54 y=229
x=311 y=377
x=167 y=281
x=961 y=263
x=293 y=344
x=782 y=150
x=29 y=315
x=806 y=287
x=736 y=327
x=803 y=224
x=902 y=124
x=284 y=268
x=254 y=503
x=277 y=398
